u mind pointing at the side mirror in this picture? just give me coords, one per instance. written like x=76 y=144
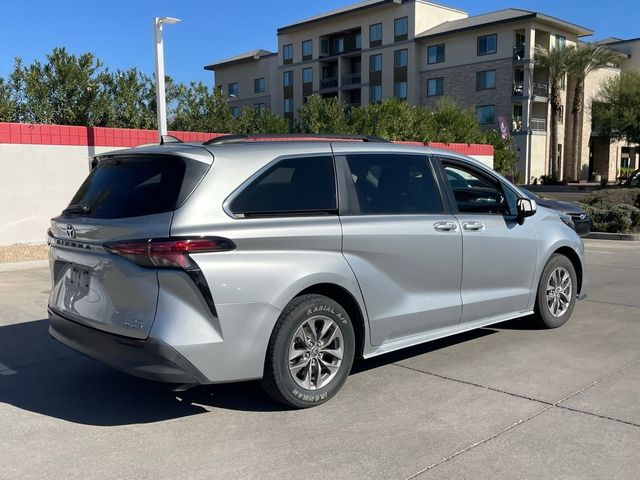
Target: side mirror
x=526 y=208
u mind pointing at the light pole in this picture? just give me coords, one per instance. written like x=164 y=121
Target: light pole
x=161 y=101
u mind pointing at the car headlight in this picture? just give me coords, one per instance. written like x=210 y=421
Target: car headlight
x=566 y=219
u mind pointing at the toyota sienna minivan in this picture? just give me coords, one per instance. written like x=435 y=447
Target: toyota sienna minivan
x=284 y=259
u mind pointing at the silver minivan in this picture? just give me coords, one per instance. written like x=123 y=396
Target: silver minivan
x=284 y=259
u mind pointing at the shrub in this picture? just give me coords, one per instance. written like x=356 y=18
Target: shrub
x=620 y=218
x=610 y=197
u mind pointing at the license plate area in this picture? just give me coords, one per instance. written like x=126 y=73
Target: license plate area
x=78 y=278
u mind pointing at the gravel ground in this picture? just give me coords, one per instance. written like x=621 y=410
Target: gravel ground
x=21 y=252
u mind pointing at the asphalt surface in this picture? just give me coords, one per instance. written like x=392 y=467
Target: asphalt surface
x=508 y=401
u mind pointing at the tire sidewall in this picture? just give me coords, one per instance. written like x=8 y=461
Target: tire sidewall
x=293 y=392
x=543 y=310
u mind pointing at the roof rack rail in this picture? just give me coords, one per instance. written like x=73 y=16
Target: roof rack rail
x=169 y=139
x=290 y=137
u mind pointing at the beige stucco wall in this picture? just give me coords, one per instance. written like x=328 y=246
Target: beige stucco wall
x=244 y=74
x=631 y=48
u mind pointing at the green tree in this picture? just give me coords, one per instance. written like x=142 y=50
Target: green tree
x=555 y=62
x=583 y=60
x=7 y=103
x=200 y=109
x=449 y=123
x=63 y=90
x=617 y=111
x=504 y=156
x=253 y=121
x=128 y=99
x=392 y=119
x=322 y=115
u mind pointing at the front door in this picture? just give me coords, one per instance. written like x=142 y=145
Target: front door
x=499 y=255
x=403 y=246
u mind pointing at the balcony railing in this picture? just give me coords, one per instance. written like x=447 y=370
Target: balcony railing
x=352 y=79
x=538 y=125
x=329 y=82
x=540 y=90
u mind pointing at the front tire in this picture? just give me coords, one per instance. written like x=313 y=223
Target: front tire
x=557 y=291
x=310 y=352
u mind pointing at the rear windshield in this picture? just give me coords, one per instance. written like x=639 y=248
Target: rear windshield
x=135 y=186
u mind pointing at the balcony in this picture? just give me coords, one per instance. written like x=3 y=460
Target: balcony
x=538 y=125
x=519 y=53
x=540 y=90
x=351 y=79
x=329 y=82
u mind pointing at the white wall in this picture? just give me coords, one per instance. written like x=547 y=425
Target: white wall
x=36 y=183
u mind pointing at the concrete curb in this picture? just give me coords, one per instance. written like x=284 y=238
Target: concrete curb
x=29 y=265
x=633 y=237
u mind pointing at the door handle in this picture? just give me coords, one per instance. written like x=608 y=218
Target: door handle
x=473 y=226
x=445 y=226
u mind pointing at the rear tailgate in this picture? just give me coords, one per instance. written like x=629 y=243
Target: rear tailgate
x=124 y=198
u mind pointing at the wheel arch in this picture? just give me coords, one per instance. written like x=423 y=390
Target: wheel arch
x=573 y=257
x=342 y=296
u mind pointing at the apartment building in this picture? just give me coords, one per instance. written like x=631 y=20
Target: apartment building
x=420 y=51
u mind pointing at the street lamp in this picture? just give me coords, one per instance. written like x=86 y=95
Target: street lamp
x=161 y=101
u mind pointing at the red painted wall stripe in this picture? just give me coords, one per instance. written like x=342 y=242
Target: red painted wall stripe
x=28 y=134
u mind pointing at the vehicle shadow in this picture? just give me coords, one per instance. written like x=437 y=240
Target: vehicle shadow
x=40 y=375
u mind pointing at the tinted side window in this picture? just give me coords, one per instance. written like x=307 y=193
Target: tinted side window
x=393 y=184
x=294 y=185
x=474 y=192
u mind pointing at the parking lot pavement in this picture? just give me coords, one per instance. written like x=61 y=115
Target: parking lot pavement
x=501 y=402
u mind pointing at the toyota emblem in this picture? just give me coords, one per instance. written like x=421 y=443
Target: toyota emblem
x=71 y=232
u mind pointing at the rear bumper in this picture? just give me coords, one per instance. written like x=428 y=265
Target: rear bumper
x=150 y=358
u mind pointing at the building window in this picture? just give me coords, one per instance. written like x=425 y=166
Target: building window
x=307 y=75
x=288 y=105
x=561 y=41
x=375 y=93
x=375 y=63
x=400 y=58
x=358 y=41
x=435 y=54
x=400 y=90
x=259 y=107
x=235 y=112
x=375 y=35
x=233 y=89
x=287 y=78
x=258 y=85
x=287 y=54
x=324 y=47
x=487 y=44
x=485 y=80
x=401 y=29
x=338 y=45
x=561 y=114
x=307 y=50
x=435 y=87
x=486 y=114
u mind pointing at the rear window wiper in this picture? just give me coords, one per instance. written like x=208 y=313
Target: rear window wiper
x=77 y=209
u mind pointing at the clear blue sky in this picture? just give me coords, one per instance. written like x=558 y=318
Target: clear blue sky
x=120 y=32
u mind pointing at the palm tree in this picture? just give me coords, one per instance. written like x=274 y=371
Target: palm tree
x=584 y=59
x=555 y=61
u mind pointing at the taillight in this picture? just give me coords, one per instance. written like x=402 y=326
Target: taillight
x=168 y=253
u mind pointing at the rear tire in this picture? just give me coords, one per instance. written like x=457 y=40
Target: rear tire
x=557 y=290
x=310 y=352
